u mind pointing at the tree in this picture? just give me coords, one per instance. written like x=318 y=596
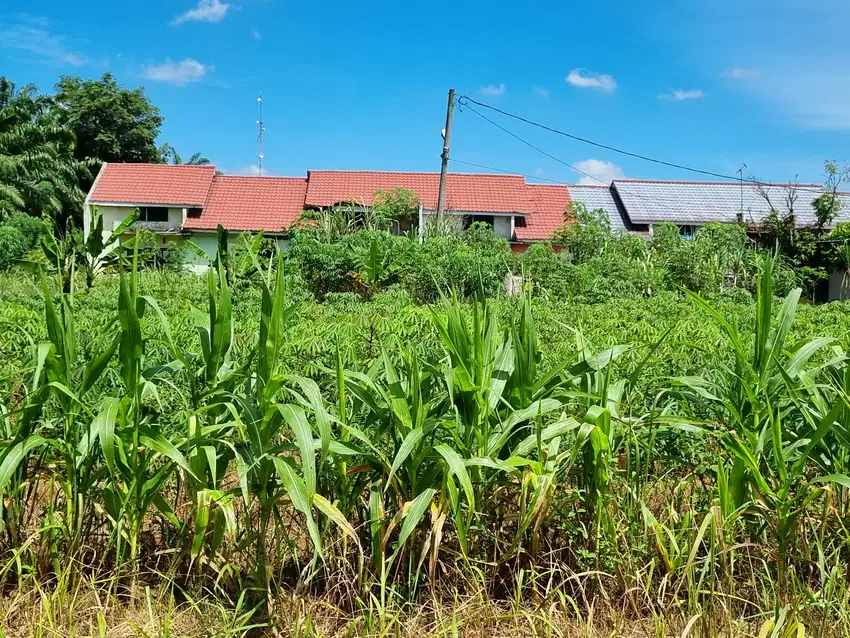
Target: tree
x=828 y=205
x=38 y=171
x=170 y=155
x=585 y=233
x=111 y=123
x=394 y=205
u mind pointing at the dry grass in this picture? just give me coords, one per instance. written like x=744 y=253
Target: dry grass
x=97 y=609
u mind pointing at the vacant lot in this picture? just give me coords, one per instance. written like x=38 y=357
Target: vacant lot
x=186 y=456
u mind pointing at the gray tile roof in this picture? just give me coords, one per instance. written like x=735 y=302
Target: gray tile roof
x=595 y=197
x=703 y=202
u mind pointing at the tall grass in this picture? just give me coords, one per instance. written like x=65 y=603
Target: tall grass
x=470 y=464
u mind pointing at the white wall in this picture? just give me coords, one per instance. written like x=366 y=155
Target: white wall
x=839 y=285
x=114 y=215
x=502 y=227
x=207 y=243
x=501 y=224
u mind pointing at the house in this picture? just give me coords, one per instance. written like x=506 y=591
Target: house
x=181 y=201
x=498 y=200
x=690 y=205
x=176 y=202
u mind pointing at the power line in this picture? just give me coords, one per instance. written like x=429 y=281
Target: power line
x=672 y=205
x=536 y=148
x=506 y=172
x=463 y=100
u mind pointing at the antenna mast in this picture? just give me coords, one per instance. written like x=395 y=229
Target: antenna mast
x=262 y=129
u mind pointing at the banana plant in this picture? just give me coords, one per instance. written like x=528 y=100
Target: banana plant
x=96 y=251
x=377 y=268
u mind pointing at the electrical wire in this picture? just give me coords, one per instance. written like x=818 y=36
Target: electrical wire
x=506 y=172
x=536 y=148
x=672 y=205
x=464 y=100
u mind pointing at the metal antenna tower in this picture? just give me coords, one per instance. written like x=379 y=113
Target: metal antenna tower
x=262 y=130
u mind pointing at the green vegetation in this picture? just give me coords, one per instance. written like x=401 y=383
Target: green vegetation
x=51 y=146
x=338 y=251
x=648 y=464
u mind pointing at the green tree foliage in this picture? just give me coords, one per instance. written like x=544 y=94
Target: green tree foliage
x=38 y=170
x=19 y=234
x=111 y=123
x=585 y=234
x=170 y=155
x=13 y=245
x=398 y=204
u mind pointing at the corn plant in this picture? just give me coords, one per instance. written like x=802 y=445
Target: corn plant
x=770 y=430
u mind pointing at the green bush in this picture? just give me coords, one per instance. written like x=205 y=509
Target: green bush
x=13 y=245
x=32 y=228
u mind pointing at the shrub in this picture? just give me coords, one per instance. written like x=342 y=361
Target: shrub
x=32 y=228
x=13 y=245
x=551 y=273
x=324 y=266
x=458 y=263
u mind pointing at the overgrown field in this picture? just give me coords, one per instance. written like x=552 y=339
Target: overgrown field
x=193 y=455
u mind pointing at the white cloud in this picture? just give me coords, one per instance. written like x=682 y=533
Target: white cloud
x=255 y=33
x=33 y=37
x=741 y=73
x=681 y=94
x=206 y=11
x=539 y=90
x=493 y=89
x=539 y=172
x=179 y=73
x=584 y=79
x=74 y=59
x=603 y=172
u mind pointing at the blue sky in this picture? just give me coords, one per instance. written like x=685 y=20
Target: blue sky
x=362 y=85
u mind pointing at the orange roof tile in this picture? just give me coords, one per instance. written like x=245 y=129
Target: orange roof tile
x=464 y=192
x=549 y=201
x=251 y=203
x=153 y=184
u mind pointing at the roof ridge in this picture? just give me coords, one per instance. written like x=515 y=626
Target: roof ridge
x=161 y=165
x=300 y=179
x=428 y=173
x=702 y=183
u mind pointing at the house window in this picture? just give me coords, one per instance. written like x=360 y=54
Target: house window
x=688 y=231
x=153 y=214
x=484 y=219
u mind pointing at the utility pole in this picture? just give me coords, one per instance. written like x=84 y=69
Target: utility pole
x=447 y=141
x=740 y=172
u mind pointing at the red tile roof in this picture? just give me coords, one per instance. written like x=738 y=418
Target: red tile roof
x=153 y=184
x=464 y=192
x=251 y=203
x=550 y=201
x=274 y=203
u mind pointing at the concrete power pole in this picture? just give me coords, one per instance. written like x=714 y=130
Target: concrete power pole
x=447 y=141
